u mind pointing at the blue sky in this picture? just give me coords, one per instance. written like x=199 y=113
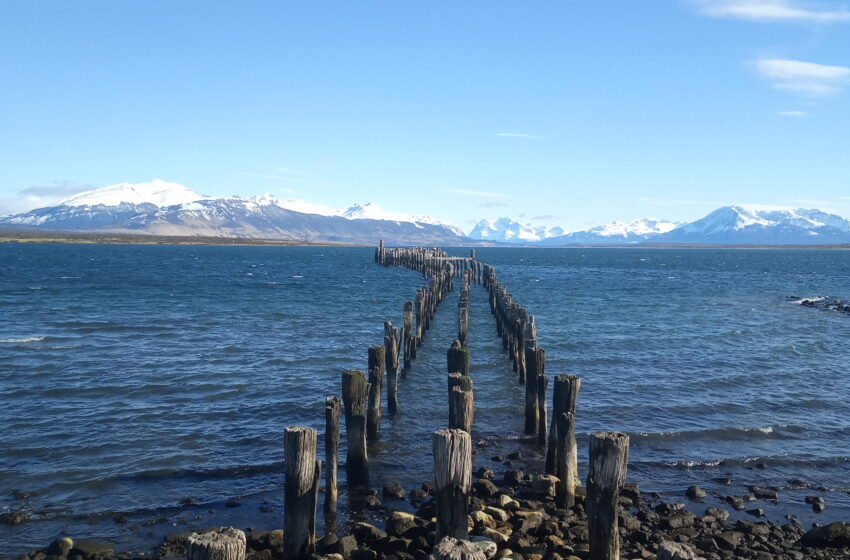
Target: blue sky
x=559 y=113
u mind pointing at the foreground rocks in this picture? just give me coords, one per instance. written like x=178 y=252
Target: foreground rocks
x=519 y=520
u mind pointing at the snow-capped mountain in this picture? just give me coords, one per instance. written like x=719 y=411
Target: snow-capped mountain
x=508 y=230
x=751 y=225
x=162 y=208
x=636 y=231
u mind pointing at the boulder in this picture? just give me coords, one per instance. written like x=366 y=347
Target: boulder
x=675 y=551
x=91 y=550
x=451 y=548
x=398 y=522
x=545 y=486
x=833 y=535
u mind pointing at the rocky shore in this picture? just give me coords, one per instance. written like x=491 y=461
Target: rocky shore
x=514 y=516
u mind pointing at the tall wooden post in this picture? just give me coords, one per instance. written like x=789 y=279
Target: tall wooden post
x=460 y=409
x=355 y=398
x=609 y=455
x=453 y=478
x=564 y=396
x=333 y=406
x=391 y=337
x=301 y=486
x=542 y=383
x=565 y=461
x=535 y=360
x=407 y=334
x=377 y=360
x=457 y=358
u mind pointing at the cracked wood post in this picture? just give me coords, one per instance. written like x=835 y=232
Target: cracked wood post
x=453 y=479
x=535 y=359
x=564 y=396
x=457 y=358
x=542 y=383
x=461 y=402
x=224 y=543
x=566 y=460
x=301 y=487
x=408 y=338
x=376 y=384
x=354 y=396
x=609 y=455
x=333 y=405
x=391 y=339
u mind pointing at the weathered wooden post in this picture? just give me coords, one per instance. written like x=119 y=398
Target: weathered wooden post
x=355 y=397
x=332 y=411
x=565 y=460
x=406 y=333
x=225 y=543
x=535 y=360
x=462 y=324
x=460 y=409
x=301 y=487
x=453 y=478
x=391 y=337
x=564 y=396
x=457 y=358
x=376 y=384
x=609 y=455
x=542 y=383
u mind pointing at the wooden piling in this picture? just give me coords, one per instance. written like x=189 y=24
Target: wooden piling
x=461 y=409
x=453 y=479
x=224 y=543
x=301 y=486
x=565 y=461
x=391 y=340
x=377 y=359
x=564 y=397
x=333 y=405
x=355 y=398
x=542 y=383
x=407 y=334
x=535 y=359
x=609 y=454
x=457 y=358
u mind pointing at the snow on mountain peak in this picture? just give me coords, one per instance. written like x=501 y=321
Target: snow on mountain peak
x=156 y=192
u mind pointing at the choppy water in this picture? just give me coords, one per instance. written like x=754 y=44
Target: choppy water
x=135 y=377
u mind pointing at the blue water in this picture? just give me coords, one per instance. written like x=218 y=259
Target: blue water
x=134 y=377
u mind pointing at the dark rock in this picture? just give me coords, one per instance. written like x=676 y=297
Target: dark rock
x=391 y=545
x=833 y=535
x=91 y=550
x=417 y=497
x=367 y=534
x=364 y=554
x=60 y=547
x=515 y=456
x=764 y=493
x=497 y=458
x=346 y=546
x=818 y=507
x=799 y=483
x=756 y=512
x=695 y=493
x=394 y=491
x=189 y=502
x=266 y=509
x=680 y=520
x=729 y=540
x=429 y=487
x=119 y=518
x=328 y=544
x=814 y=499
x=485 y=473
x=513 y=478
x=631 y=491
x=232 y=503
x=722 y=480
x=485 y=489
x=399 y=522
x=14 y=517
x=372 y=502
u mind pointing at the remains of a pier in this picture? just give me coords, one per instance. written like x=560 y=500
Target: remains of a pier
x=301 y=488
x=452 y=447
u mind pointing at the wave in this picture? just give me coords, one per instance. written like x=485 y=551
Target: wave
x=23 y=340
x=723 y=434
x=749 y=462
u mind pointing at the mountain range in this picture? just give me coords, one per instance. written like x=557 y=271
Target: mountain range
x=162 y=208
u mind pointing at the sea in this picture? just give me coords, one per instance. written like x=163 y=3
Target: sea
x=143 y=387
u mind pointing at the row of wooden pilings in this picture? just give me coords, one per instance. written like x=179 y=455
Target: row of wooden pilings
x=453 y=447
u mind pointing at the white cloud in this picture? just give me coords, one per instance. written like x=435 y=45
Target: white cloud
x=804 y=77
x=519 y=135
x=772 y=10
x=40 y=196
x=476 y=193
x=797 y=114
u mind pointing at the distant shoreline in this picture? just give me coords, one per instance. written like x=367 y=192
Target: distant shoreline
x=30 y=236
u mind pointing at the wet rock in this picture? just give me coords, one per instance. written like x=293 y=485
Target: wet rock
x=366 y=534
x=513 y=478
x=764 y=493
x=265 y=540
x=515 y=456
x=680 y=520
x=417 y=497
x=347 y=545
x=497 y=513
x=399 y=522
x=833 y=535
x=496 y=536
x=266 y=509
x=695 y=493
x=485 y=489
x=189 y=502
x=729 y=540
x=486 y=473
x=394 y=491
x=60 y=547
x=508 y=503
x=91 y=550
x=756 y=512
x=14 y=517
x=364 y=554
x=631 y=491
x=233 y=503
x=429 y=487
x=736 y=502
x=481 y=519
x=372 y=502
x=328 y=544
